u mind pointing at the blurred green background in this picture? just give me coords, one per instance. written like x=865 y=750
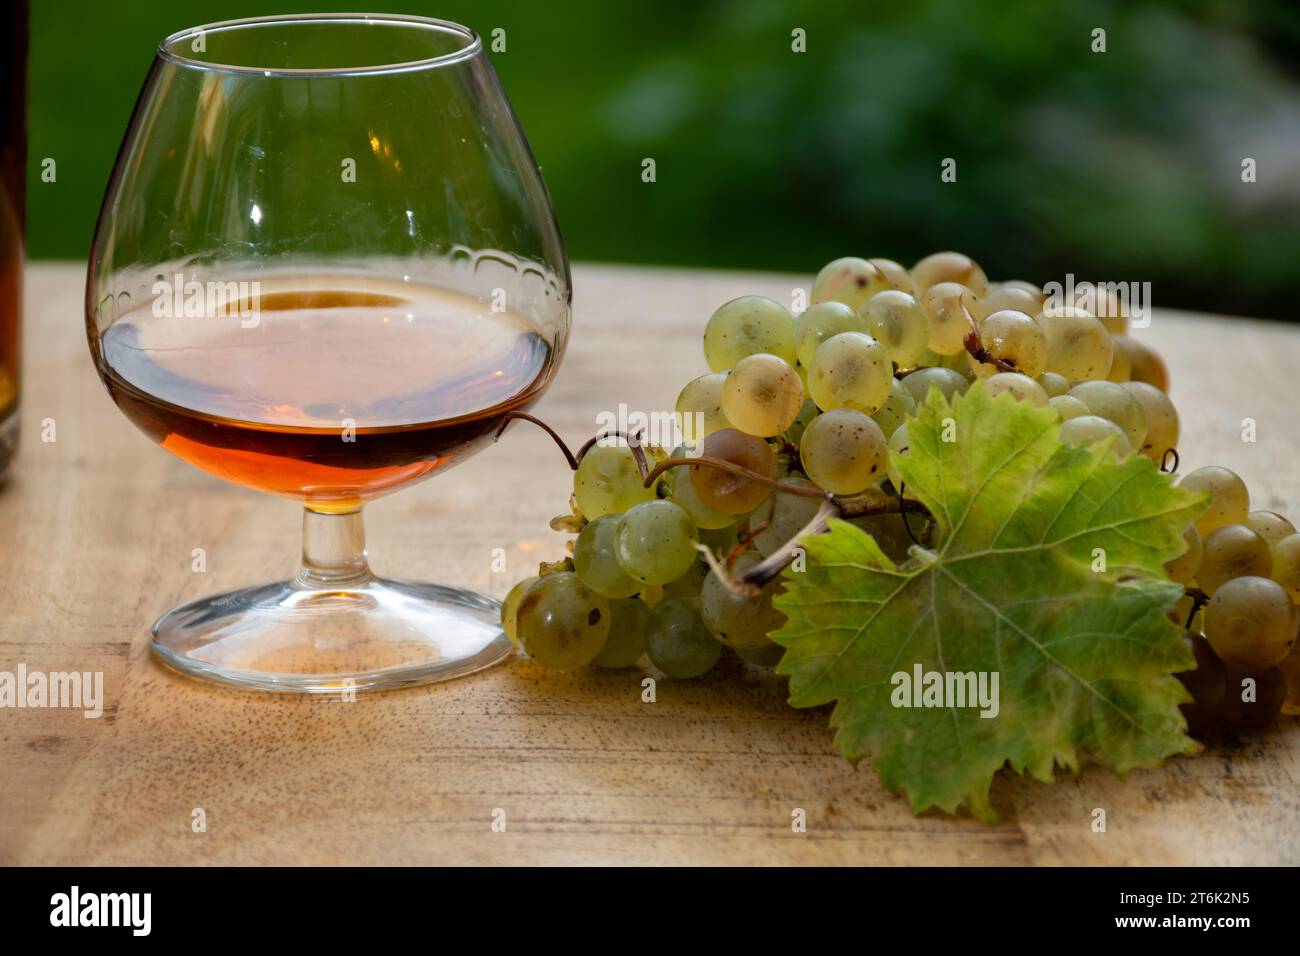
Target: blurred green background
x=1123 y=165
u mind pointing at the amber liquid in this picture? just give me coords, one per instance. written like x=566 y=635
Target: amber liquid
x=343 y=389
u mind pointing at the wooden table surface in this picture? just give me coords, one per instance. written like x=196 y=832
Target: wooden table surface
x=98 y=528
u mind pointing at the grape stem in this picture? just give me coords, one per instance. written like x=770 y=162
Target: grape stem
x=752 y=582
x=512 y=415
x=745 y=540
x=978 y=352
x=648 y=475
x=975 y=346
x=1199 y=600
x=633 y=442
x=903 y=514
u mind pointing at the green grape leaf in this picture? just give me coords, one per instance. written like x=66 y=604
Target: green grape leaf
x=1047 y=572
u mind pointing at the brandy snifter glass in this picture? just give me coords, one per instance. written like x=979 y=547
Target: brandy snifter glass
x=326 y=267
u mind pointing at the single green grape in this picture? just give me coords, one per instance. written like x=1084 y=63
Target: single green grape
x=769 y=655
x=727 y=492
x=739 y=620
x=948 y=382
x=821 y=321
x=1232 y=552
x=1068 y=406
x=1022 y=387
x=1251 y=623
x=562 y=623
x=677 y=642
x=1105 y=304
x=608 y=481
x=1053 y=384
x=510 y=607
x=1014 y=338
x=682 y=492
x=1090 y=429
x=850 y=370
x=1161 y=418
x=896 y=409
x=1145 y=364
x=1270 y=526
x=929 y=358
x=1183 y=568
x=1229 y=499
x=949 y=309
x=1286 y=565
x=844 y=451
x=655 y=541
x=595 y=560
x=1024 y=298
x=1117 y=404
x=959 y=363
x=699 y=408
x=687 y=587
x=782 y=516
x=1024 y=285
x=747 y=326
x=1121 y=367
x=807 y=412
x=762 y=395
x=896 y=275
x=950 y=267
x=722 y=540
x=895 y=320
x=852 y=281
x=626 y=641
x=1078 y=346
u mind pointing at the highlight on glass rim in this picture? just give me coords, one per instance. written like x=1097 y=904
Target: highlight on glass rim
x=722 y=435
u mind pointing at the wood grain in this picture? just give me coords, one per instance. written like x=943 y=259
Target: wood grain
x=98 y=529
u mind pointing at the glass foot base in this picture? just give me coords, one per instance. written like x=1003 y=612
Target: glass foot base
x=366 y=635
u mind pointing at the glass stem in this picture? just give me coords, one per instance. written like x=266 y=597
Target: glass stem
x=333 y=550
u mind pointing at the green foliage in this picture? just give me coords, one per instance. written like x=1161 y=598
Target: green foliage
x=1116 y=166
x=1015 y=586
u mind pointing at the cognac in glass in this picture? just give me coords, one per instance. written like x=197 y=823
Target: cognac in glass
x=326 y=267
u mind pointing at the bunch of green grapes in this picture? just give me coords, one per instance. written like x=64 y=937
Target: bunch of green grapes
x=1242 y=572
x=636 y=583
x=795 y=407
x=808 y=401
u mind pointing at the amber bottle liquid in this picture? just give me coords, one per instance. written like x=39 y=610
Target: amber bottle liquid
x=13 y=171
